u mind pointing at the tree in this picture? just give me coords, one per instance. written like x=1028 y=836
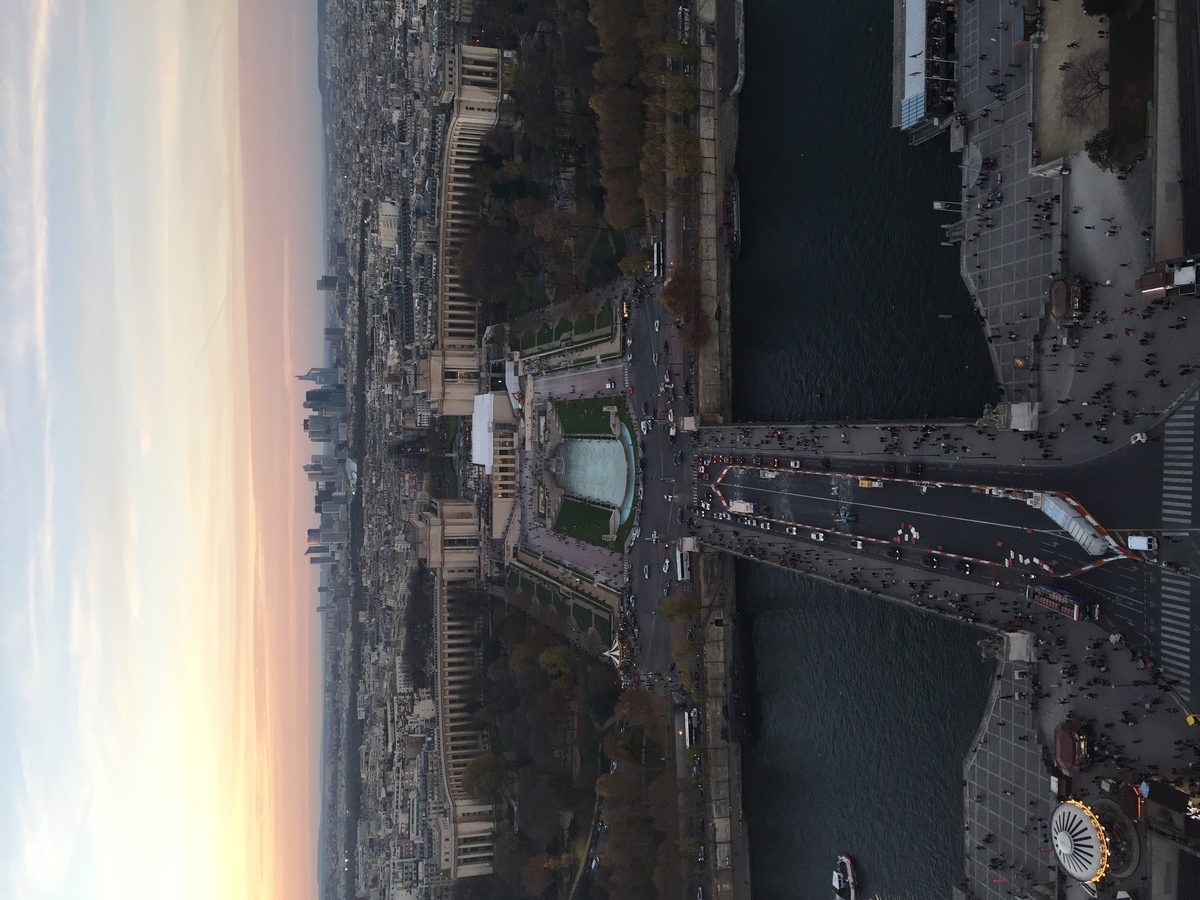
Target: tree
x=638 y=707
x=685 y=148
x=481 y=778
x=680 y=608
x=487 y=264
x=681 y=294
x=634 y=261
x=537 y=875
x=1102 y=149
x=1085 y=84
x=682 y=94
x=557 y=661
x=622 y=205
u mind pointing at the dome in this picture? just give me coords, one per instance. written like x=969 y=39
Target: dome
x=1079 y=841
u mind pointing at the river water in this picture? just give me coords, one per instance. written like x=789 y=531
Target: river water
x=845 y=305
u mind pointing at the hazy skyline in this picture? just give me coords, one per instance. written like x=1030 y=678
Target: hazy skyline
x=161 y=220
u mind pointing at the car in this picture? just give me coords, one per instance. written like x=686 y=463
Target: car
x=790 y=529
x=915 y=469
x=963 y=567
x=816 y=535
x=889 y=469
x=656 y=324
x=609 y=385
x=679 y=516
x=655 y=358
x=646 y=572
x=893 y=553
x=1139 y=438
x=670 y=414
x=775 y=463
x=654 y=536
x=667 y=565
x=644 y=428
x=856 y=544
x=929 y=562
x=1022 y=674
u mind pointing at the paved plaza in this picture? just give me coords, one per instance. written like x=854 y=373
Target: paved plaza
x=1006 y=797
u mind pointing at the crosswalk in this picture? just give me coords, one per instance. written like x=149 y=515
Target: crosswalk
x=1175 y=627
x=1175 y=592
x=1179 y=442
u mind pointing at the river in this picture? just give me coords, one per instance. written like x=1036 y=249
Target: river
x=847 y=306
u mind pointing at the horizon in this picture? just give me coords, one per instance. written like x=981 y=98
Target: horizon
x=163 y=230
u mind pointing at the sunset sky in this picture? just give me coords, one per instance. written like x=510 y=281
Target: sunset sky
x=160 y=224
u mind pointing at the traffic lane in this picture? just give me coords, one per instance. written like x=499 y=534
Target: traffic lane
x=949 y=520
x=1123 y=588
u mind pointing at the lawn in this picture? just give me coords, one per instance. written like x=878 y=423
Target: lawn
x=583 y=522
x=583 y=617
x=603 y=628
x=584 y=324
x=584 y=416
x=544 y=595
x=604 y=318
x=528 y=341
x=564 y=327
x=545 y=335
x=607 y=250
x=1131 y=76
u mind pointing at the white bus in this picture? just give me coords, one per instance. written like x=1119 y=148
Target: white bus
x=683 y=565
x=657 y=256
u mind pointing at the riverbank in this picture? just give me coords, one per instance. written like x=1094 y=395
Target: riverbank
x=726 y=835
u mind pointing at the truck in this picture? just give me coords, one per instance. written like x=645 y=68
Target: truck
x=744 y=507
x=869 y=483
x=1145 y=542
x=1066 y=516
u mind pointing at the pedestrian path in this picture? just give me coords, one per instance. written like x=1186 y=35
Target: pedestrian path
x=1178 y=461
x=1175 y=630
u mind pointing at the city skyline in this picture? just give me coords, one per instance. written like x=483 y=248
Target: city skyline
x=162 y=224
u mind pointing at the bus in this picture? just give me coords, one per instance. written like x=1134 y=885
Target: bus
x=657 y=257
x=683 y=565
x=1063 y=602
x=683 y=727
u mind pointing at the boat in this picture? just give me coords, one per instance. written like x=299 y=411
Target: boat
x=844 y=883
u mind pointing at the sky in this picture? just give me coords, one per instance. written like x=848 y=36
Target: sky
x=160 y=233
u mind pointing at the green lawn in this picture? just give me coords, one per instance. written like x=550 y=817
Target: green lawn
x=583 y=617
x=584 y=416
x=544 y=595
x=1131 y=76
x=602 y=267
x=583 y=521
x=564 y=327
x=545 y=335
x=604 y=318
x=528 y=341
x=603 y=628
x=584 y=324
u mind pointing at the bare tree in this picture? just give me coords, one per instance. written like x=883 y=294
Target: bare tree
x=1085 y=85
